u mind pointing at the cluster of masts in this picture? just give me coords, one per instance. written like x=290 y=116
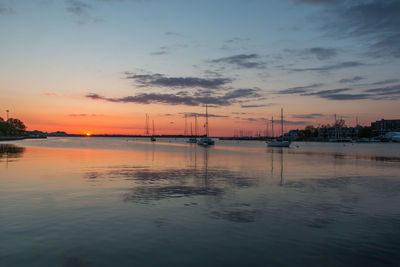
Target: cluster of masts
x=282 y=142
x=204 y=140
x=147 y=132
x=191 y=126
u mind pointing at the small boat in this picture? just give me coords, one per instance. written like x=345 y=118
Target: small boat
x=277 y=143
x=192 y=141
x=205 y=140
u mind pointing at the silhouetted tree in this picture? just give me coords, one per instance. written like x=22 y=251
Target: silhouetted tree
x=11 y=127
x=365 y=132
x=17 y=124
x=340 y=123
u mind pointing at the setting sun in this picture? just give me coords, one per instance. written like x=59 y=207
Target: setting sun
x=88 y=134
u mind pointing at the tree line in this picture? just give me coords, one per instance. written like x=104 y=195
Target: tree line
x=312 y=132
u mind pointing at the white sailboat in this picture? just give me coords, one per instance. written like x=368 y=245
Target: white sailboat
x=281 y=143
x=205 y=140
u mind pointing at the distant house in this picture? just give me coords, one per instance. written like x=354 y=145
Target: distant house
x=384 y=126
x=292 y=135
x=36 y=133
x=58 y=133
x=337 y=132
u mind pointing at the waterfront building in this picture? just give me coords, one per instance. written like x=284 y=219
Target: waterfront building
x=384 y=126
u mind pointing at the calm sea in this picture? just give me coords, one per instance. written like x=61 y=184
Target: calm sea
x=130 y=202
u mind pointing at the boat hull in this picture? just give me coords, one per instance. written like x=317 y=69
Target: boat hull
x=206 y=141
x=279 y=144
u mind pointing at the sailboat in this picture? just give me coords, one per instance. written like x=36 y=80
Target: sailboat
x=205 y=140
x=152 y=138
x=281 y=143
x=193 y=140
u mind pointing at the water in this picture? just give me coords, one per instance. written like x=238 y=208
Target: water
x=130 y=202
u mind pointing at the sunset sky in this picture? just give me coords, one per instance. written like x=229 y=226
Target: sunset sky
x=101 y=65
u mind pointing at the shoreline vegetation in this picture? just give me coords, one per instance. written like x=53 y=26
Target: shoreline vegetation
x=12 y=129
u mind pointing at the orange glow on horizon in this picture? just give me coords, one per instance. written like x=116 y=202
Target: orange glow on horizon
x=88 y=134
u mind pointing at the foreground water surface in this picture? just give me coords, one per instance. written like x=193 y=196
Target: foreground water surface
x=130 y=202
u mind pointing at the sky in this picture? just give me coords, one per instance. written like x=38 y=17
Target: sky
x=100 y=66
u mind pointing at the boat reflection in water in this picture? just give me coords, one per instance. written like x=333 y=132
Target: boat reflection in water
x=279 y=151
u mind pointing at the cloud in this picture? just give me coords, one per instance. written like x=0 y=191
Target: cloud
x=170 y=33
x=159 y=53
x=390 y=90
x=6 y=10
x=381 y=93
x=240 y=93
x=165 y=50
x=336 y=94
x=299 y=89
x=384 y=82
x=345 y=96
x=253 y=119
x=352 y=80
x=189 y=100
x=308 y=116
x=78 y=7
x=342 y=65
x=85 y=115
x=328 y=92
x=50 y=94
x=55 y=94
x=81 y=11
x=256 y=106
x=374 y=22
x=193 y=114
x=242 y=61
x=287 y=122
x=323 y=53
x=161 y=80
x=236 y=40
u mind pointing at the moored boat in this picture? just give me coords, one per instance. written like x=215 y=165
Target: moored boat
x=205 y=140
x=279 y=143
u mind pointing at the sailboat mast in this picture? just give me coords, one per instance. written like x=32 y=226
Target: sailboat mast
x=153 y=127
x=272 y=123
x=195 y=125
x=282 y=122
x=147 y=125
x=336 y=134
x=186 y=131
x=207 y=133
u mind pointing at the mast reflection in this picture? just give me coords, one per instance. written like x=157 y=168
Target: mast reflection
x=281 y=152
